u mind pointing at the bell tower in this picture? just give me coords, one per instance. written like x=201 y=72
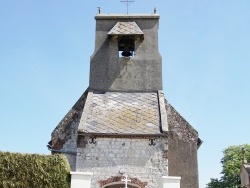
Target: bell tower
x=126 y=56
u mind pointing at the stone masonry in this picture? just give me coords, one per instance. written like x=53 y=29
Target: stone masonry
x=115 y=156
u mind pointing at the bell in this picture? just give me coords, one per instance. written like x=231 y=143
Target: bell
x=126 y=52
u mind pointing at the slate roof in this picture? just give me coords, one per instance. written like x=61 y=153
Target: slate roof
x=125 y=28
x=121 y=113
x=79 y=113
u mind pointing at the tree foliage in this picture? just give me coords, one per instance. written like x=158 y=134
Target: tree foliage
x=33 y=171
x=231 y=163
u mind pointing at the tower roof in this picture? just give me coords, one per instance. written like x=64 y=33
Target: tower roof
x=125 y=28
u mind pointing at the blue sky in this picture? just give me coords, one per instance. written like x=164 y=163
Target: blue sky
x=45 y=48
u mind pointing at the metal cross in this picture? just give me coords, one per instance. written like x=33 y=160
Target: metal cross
x=126 y=180
x=127 y=3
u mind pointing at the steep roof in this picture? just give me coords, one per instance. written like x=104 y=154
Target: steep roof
x=121 y=113
x=178 y=125
x=68 y=124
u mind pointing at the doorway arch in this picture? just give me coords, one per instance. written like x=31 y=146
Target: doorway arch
x=120 y=185
x=116 y=182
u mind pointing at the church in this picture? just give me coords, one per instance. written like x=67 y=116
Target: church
x=122 y=132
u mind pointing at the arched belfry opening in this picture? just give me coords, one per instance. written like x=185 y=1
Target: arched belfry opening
x=126 y=46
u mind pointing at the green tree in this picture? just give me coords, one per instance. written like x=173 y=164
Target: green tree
x=231 y=163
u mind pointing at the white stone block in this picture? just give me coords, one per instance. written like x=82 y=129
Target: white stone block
x=81 y=179
x=169 y=182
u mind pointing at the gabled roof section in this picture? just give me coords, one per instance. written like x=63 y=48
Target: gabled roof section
x=63 y=130
x=126 y=28
x=177 y=124
x=121 y=113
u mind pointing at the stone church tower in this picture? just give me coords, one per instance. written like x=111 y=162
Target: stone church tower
x=122 y=126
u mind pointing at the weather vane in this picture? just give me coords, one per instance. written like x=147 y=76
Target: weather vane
x=128 y=2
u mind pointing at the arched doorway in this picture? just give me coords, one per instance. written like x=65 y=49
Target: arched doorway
x=120 y=185
x=118 y=182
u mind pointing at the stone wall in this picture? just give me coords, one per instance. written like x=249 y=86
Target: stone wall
x=183 y=161
x=113 y=157
x=183 y=142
